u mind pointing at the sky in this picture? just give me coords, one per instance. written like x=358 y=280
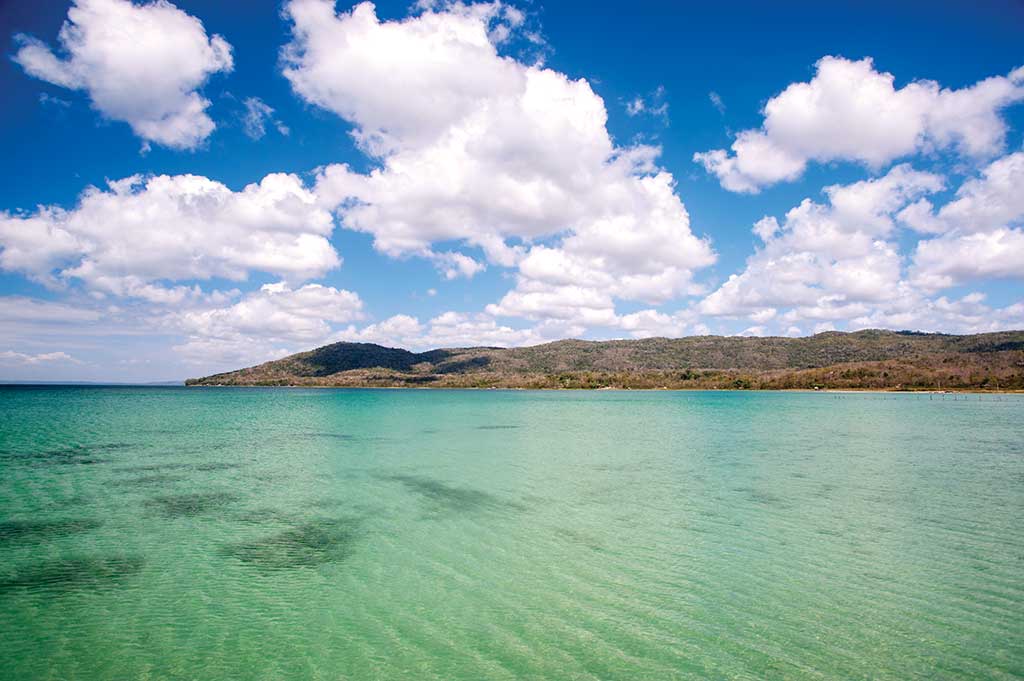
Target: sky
x=192 y=187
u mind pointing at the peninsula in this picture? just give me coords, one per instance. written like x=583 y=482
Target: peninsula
x=862 y=360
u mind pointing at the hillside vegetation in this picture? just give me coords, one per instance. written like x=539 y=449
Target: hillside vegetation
x=872 y=359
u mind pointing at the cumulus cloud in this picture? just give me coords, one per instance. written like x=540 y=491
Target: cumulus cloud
x=447 y=330
x=581 y=306
x=442 y=62
x=986 y=203
x=980 y=229
x=129 y=239
x=826 y=262
x=271 y=322
x=849 y=111
x=490 y=153
x=651 y=323
x=141 y=64
x=401 y=330
x=950 y=260
x=278 y=312
x=454 y=264
x=967 y=314
x=839 y=265
x=277 y=321
x=648 y=256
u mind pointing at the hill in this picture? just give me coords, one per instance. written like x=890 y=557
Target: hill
x=871 y=359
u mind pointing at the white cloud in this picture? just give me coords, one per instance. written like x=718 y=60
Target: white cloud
x=950 y=260
x=648 y=254
x=839 y=265
x=454 y=264
x=488 y=152
x=276 y=322
x=278 y=312
x=850 y=111
x=271 y=322
x=653 y=105
x=829 y=261
x=442 y=63
x=256 y=117
x=76 y=324
x=716 y=101
x=990 y=202
x=11 y=357
x=980 y=233
x=398 y=331
x=454 y=329
x=15 y=309
x=141 y=64
x=763 y=315
x=631 y=256
x=49 y=100
x=968 y=314
x=766 y=228
x=651 y=323
x=579 y=305
x=447 y=330
x=206 y=355
x=141 y=231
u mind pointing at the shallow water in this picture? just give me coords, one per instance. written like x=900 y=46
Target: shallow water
x=342 y=534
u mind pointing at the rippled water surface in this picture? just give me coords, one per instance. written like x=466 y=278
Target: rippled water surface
x=150 y=533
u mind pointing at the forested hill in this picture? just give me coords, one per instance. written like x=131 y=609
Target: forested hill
x=869 y=359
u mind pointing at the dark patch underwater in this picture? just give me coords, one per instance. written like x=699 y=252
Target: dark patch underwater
x=450 y=497
x=308 y=544
x=44 y=530
x=150 y=480
x=190 y=505
x=64 y=575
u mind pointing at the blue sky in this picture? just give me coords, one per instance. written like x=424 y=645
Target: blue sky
x=197 y=186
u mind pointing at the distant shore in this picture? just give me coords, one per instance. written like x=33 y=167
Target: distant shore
x=833 y=391
x=862 y=361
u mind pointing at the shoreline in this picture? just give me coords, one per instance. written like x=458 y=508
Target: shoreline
x=834 y=391
x=841 y=391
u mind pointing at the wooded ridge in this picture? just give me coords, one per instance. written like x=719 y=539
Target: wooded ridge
x=870 y=359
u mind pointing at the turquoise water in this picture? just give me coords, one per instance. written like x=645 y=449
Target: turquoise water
x=151 y=533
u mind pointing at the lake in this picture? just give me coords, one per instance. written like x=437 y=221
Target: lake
x=172 y=533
